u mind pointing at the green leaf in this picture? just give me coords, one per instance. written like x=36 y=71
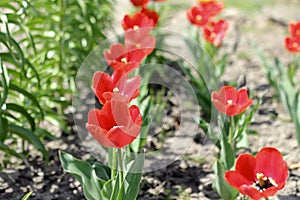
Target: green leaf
x=133 y=178
x=9 y=151
x=30 y=137
x=227 y=155
x=3 y=128
x=5 y=83
x=84 y=173
x=26 y=197
x=28 y=95
x=223 y=188
x=22 y=111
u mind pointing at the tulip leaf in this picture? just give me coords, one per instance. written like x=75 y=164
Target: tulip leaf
x=227 y=155
x=26 y=196
x=133 y=177
x=84 y=173
x=222 y=187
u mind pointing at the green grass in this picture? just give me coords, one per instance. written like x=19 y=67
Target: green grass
x=250 y=6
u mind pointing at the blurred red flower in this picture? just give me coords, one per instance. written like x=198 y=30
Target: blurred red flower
x=138 y=20
x=151 y=14
x=115 y=125
x=213 y=7
x=105 y=86
x=292 y=43
x=120 y=57
x=140 y=40
x=231 y=102
x=294 y=29
x=198 y=16
x=139 y=2
x=201 y=14
x=261 y=176
x=214 y=32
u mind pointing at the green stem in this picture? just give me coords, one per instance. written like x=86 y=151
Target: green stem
x=231 y=132
x=114 y=163
x=121 y=173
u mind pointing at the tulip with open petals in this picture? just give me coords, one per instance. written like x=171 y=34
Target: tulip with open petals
x=105 y=86
x=261 y=176
x=215 y=32
x=120 y=57
x=231 y=102
x=137 y=21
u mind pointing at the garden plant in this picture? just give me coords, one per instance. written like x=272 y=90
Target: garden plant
x=148 y=99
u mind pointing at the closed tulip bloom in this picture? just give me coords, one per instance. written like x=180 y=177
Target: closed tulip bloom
x=105 y=86
x=261 y=176
x=137 y=21
x=115 y=125
x=120 y=57
x=215 y=32
x=231 y=102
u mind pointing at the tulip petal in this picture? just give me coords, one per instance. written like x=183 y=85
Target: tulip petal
x=219 y=105
x=252 y=192
x=269 y=161
x=120 y=136
x=235 y=179
x=232 y=110
x=228 y=93
x=101 y=83
x=100 y=135
x=245 y=165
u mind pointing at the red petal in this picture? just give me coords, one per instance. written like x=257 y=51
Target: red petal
x=228 y=93
x=266 y=159
x=245 y=165
x=220 y=106
x=119 y=137
x=235 y=179
x=232 y=110
x=251 y=192
x=102 y=82
x=120 y=111
x=100 y=135
x=245 y=106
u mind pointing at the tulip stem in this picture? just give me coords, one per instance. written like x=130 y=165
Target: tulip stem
x=231 y=131
x=121 y=170
x=114 y=163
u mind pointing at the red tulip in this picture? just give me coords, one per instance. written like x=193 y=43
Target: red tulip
x=105 y=86
x=261 y=176
x=213 y=7
x=231 y=102
x=151 y=14
x=139 y=2
x=138 y=20
x=120 y=57
x=140 y=39
x=201 y=14
x=292 y=44
x=198 y=15
x=115 y=125
x=215 y=32
x=294 y=29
